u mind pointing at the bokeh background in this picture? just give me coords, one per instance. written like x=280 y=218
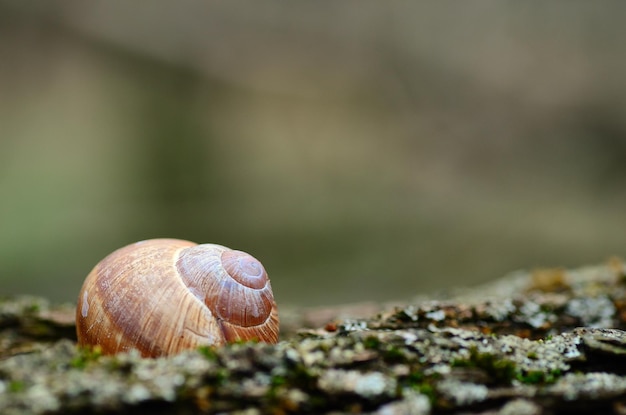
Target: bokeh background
x=362 y=150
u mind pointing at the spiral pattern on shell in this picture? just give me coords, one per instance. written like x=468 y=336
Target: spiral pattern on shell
x=162 y=296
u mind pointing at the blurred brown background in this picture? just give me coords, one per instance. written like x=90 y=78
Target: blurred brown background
x=361 y=150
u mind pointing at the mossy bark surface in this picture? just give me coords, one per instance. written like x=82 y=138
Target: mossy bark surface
x=543 y=342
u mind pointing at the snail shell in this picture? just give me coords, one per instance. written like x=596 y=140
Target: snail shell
x=162 y=296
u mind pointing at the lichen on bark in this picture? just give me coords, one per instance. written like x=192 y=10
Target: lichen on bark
x=539 y=342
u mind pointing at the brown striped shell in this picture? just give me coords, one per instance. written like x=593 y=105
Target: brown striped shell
x=162 y=296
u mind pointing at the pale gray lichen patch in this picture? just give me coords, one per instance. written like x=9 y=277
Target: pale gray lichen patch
x=354 y=325
x=437 y=315
x=367 y=385
x=593 y=311
x=520 y=407
x=462 y=393
x=42 y=398
x=500 y=309
x=372 y=385
x=532 y=314
x=546 y=356
x=137 y=393
x=587 y=386
x=412 y=403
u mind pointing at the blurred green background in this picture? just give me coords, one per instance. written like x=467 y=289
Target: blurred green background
x=361 y=150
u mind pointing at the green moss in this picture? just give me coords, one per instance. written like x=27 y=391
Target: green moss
x=33 y=308
x=16 y=386
x=372 y=342
x=85 y=356
x=504 y=371
x=553 y=376
x=296 y=378
x=220 y=377
x=534 y=377
x=389 y=352
x=278 y=381
x=394 y=354
x=208 y=352
x=416 y=380
x=301 y=377
x=429 y=390
x=546 y=308
x=531 y=377
x=499 y=369
x=415 y=377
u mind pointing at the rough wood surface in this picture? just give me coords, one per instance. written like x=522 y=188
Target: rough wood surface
x=544 y=342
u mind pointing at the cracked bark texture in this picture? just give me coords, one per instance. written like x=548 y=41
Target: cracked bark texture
x=542 y=342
